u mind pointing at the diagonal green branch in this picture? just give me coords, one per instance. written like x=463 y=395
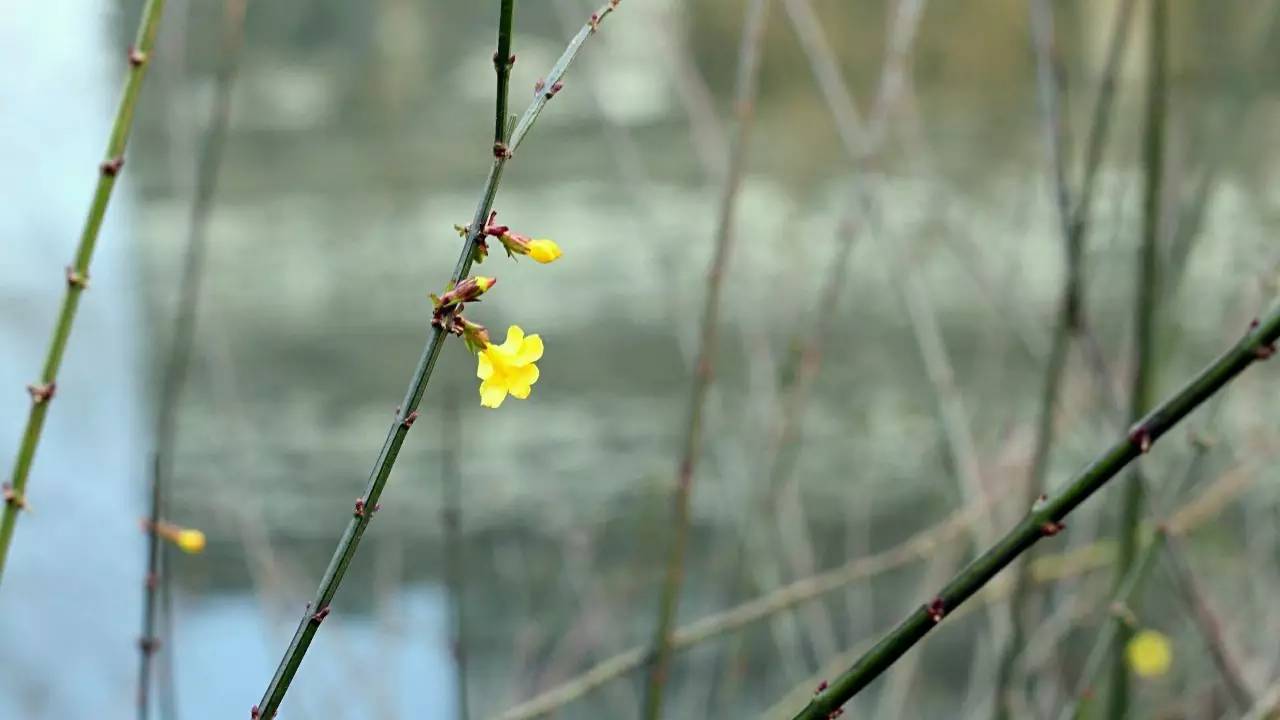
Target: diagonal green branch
x=367 y=504
x=1045 y=519
x=15 y=491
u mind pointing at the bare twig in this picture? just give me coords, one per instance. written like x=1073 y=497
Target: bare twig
x=747 y=86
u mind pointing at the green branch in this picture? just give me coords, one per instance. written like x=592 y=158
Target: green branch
x=318 y=609
x=1145 y=311
x=1045 y=519
x=15 y=491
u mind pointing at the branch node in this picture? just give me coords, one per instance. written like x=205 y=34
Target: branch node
x=362 y=506
x=13 y=498
x=77 y=279
x=538 y=86
x=1140 y=436
x=937 y=609
x=1051 y=528
x=149 y=645
x=136 y=57
x=556 y=87
x=501 y=151
x=319 y=616
x=409 y=419
x=111 y=167
x=42 y=393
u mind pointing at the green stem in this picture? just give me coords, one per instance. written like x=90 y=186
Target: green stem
x=1144 y=327
x=1258 y=343
x=745 y=95
x=367 y=504
x=182 y=342
x=502 y=62
x=1070 y=320
x=15 y=491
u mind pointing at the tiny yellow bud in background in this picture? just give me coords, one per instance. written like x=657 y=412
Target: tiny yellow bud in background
x=1149 y=654
x=190 y=541
x=544 y=251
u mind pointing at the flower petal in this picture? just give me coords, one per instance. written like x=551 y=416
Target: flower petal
x=530 y=351
x=484 y=366
x=526 y=375
x=492 y=394
x=519 y=390
x=515 y=336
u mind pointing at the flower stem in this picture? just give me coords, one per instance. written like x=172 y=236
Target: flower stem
x=367 y=504
x=78 y=272
x=1258 y=342
x=1144 y=326
x=183 y=338
x=745 y=95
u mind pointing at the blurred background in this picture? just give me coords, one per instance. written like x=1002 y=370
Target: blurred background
x=923 y=280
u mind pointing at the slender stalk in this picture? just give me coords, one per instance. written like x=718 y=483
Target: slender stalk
x=77 y=277
x=451 y=518
x=1145 y=311
x=1070 y=321
x=744 y=111
x=367 y=504
x=1046 y=517
x=502 y=62
x=149 y=644
x=182 y=342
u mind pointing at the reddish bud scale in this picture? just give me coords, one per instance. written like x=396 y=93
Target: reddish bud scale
x=136 y=56
x=409 y=419
x=1141 y=437
x=111 y=168
x=937 y=609
x=76 y=279
x=1052 y=528
x=42 y=393
x=13 y=497
x=320 y=615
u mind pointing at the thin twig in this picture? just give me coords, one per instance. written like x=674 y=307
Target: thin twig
x=1070 y=321
x=317 y=610
x=179 y=361
x=77 y=274
x=1207 y=623
x=1145 y=314
x=1258 y=343
x=745 y=94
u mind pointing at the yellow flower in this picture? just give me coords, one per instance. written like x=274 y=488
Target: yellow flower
x=190 y=541
x=509 y=367
x=544 y=251
x=1149 y=654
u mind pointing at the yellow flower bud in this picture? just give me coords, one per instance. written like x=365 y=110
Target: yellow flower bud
x=1149 y=654
x=190 y=541
x=483 y=283
x=544 y=251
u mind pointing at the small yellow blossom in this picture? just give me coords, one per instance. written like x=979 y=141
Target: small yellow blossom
x=509 y=367
x=544 y=251
x=190 y=541
x=1149 y=654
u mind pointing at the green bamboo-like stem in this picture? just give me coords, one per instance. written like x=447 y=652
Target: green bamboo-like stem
x=318 y=609
x=502 y=62
x=182 y=342
x=1070 y=321
x=1045 y=519
x=77 y=278
x=451 y=518
x=747 y=85
x=1145 y=313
